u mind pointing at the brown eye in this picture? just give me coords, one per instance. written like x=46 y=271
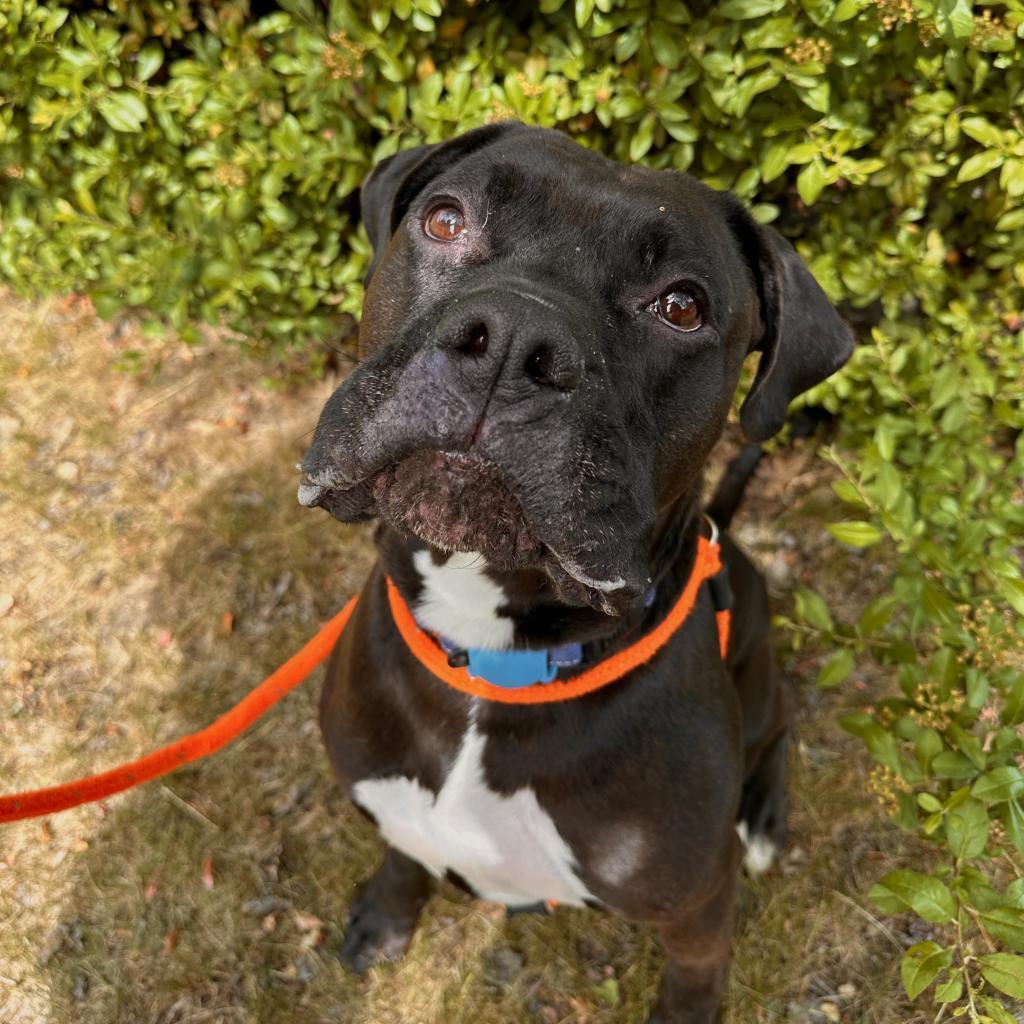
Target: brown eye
x=445 y=223
x=679 y=309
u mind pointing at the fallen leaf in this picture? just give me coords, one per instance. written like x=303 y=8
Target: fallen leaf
x=307 y=922
x=170 y=941
x=45 y=832
x=227 y=622
x=583 y=1008
x=312 y=927
x=149 y=893
x=208 y=873
x=78 y=845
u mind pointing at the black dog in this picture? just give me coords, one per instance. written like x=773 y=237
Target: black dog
x=552 y=344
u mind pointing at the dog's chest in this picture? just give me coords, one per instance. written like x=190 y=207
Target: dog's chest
x=506 y=848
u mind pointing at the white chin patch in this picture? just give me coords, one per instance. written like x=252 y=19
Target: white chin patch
x=460 y=601
x=760 y=851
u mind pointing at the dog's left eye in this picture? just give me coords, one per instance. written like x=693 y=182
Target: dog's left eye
x=679 y=309
x=444 y=223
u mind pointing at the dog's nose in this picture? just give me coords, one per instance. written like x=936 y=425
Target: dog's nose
x=518 y=348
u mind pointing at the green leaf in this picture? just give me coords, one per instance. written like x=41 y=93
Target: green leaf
x=936 y=602
x=583 y=11
x=967 y=829
x=740 y=10
x=1013 y=821
x=856 y=534
x=642 y=139
x=810 y=181
x=981 y=131
x=123 y=111
x=909 y=890
x=877 y=614
x=955 y=18
x=921 y=965
x=1004 y=971
x=1013 y=701
x=1013 y=590
x=1005 y=924
x=149 y=61
x=951 y=765
x=810 y=608
x=979 y=164
x=951 y=989
x=775 y=160
x=1006 y=783
x=998 y=1012
x=1011 y=178
x=663 y=46
x=836 y=668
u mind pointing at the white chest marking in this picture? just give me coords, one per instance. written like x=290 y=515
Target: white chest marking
x=461 y=602
x=506 y=847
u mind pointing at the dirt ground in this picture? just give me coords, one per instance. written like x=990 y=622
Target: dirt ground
x=153 y=565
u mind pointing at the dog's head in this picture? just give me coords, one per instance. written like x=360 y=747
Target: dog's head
x=551 y=344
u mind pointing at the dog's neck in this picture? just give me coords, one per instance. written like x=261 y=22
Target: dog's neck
x=473 y=604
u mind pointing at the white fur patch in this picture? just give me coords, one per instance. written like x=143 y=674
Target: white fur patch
x=622 y=855
x=760 y=850
x=505 y=847
x=460 y=601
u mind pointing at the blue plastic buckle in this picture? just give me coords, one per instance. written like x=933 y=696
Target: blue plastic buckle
x=511 y=669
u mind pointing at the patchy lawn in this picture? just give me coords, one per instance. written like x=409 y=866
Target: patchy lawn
x=155 y=565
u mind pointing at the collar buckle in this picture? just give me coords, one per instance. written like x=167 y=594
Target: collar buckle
x=511 y=669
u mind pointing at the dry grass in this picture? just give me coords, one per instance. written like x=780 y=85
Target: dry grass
x=158 y=566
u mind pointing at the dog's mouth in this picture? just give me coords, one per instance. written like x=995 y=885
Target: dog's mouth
x=459 y=502
x=451 y=500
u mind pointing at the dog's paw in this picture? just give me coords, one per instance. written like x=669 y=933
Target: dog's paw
x=759 y=850
x=374 y=937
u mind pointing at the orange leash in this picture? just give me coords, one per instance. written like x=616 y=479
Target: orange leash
x=189 y=748
x=433 y=658
x=281 y=682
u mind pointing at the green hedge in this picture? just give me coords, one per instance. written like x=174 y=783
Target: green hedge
x=199 y=161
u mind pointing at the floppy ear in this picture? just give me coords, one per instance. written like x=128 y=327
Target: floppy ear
x=804 y=341
x=396 y=181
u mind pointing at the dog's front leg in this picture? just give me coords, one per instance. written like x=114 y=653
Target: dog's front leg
x=384 y=914
x=698 y=945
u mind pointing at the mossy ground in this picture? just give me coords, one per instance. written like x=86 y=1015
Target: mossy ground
x=154 y=565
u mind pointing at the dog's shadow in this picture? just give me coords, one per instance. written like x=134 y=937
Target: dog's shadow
x=219 y=893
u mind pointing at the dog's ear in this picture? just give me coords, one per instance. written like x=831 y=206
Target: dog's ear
x=396 y=181
x=803 y=339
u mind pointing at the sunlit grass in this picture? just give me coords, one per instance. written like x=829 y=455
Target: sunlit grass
x=161 y=577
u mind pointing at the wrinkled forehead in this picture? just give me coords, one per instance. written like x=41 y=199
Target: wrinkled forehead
x=546 y=196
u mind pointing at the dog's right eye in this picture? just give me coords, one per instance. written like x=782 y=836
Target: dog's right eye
x=444 y=223
x=679 y=309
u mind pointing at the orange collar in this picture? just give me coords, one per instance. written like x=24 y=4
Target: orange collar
x=707 y=565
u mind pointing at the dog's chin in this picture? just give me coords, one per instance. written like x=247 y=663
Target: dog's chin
x=457 y=502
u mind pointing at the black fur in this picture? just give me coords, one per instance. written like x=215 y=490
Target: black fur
x=568 y=449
